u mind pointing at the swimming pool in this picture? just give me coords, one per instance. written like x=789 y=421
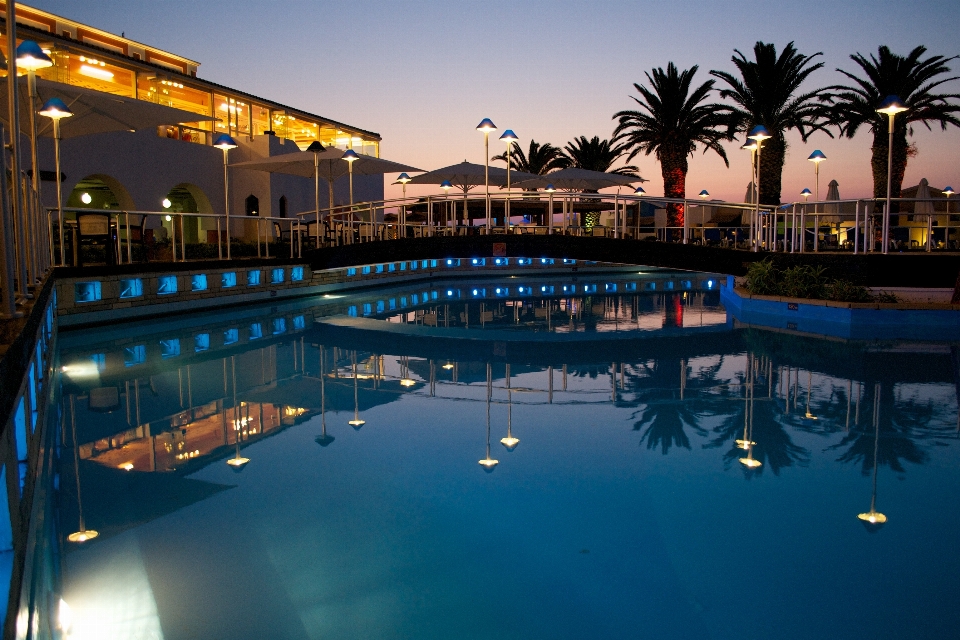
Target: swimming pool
x=606 y=463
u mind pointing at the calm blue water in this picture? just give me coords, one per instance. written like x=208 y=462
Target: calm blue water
x=624 y=511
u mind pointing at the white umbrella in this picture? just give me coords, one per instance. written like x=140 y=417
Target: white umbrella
x=467 y=175
x=751 y=194
x=833 y=193
x=582 y=179
x=923 y=193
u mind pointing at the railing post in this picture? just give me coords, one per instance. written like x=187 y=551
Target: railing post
x=856 y=228
x=267 y=234
x=219 y=241
x=183 y=241
x=129 y=248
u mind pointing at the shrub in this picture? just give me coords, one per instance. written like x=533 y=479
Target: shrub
x=804 y=281
x=763 y=278
x=846 y=291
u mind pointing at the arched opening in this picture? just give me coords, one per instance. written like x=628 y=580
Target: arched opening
x=252 y=205
x=99 y=192
x=189 y=198
x=283 y=207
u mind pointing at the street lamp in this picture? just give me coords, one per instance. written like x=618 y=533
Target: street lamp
x=55 y=109
x=758 y=134
x=486 y=126
x=403 y=179
x=816 y=158
x=31 y=58
x=946 y=236
x=225 y=143
x=316 y=149
x=550 y=189
x=509 y=137
x=751 y=146
x=350 y=156
x=890 y=106
x=446 y=186
x=356 y=423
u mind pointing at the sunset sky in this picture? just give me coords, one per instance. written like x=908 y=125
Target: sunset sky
x=424 y=73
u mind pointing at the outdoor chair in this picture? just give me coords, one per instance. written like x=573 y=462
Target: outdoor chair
x=95 y=229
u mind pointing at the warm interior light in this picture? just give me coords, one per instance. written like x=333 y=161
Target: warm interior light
x=126 y=466
x=96 y=72
x=83 y=536
x=85 y=198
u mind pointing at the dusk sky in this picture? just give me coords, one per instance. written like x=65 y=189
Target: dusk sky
x=423 y=73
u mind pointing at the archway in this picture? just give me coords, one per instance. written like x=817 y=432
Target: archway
x=282 y=209
x=252 y=205
x=99 y=191
x=189 y=198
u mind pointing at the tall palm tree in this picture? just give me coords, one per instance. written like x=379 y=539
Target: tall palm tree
x=766 y=93
x=596 y=155
x=671 y=121
x=540 y=159
x=912 y=79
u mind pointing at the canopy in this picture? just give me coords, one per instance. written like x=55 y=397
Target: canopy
x=95 y=111
x=923 y=193
x=467 y=175
x=330 y=166
x=583 y=179
x=833 y=193
x=751 y=196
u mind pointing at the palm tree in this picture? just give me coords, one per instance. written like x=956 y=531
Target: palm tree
x=540 y=159
x=596 y=155
x=765 y=94
x=671 y=121
x=911 y=79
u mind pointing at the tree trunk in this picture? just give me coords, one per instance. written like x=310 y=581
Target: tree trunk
x=673 y=167
x=772 y=155
x=878 y=163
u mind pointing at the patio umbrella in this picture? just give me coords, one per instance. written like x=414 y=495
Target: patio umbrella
x=580 y=179
x=329 y=166
x=833 y=193
x=923 y=193
x=751 y=194
x=467 y=175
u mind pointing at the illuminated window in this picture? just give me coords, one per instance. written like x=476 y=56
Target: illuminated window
x=228 y=279
x=131 y=288
x=253 y=278
x=86 y=291
x=166 y=285
x=198 y=282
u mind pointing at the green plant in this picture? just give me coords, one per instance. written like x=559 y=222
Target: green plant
x=763 y=278
x=803 y=281
x=845 y=291
x=886 y=298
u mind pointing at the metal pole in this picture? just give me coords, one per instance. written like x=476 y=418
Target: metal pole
x=219 y=242
x=756 y=246
x=35 y=178
x=13 y=104
x=486 y=173
x=129 y=247
x=350 y=169
x=7 y=250
x=226 y=203
x=856 y=229
x=316 y=195
x=506 y=202
x=550 y=214
x=886 y=213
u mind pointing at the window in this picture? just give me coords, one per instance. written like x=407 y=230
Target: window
x=131 y=288
x=201 y=342
x=86 y=292
x=256 y=331
x=170 y=348
x=134 y=355
x=166 y=285
x=253 y=278
x=228 y=279
x=351 y=272
x=252 y=205
x=231 y=336
x=279 y=326
x=282 y=207
x=299 y=322
x=198 y=282
x=276 y=276
x=296 y=274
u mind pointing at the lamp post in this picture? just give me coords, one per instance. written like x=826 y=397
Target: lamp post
x=873 y=520
x=509 y=137
x=704 y=194
x=806 y=193
x=751 y=146
x=83 y=534
x=15 y=264
x=509 y=441
x=816 y=158
x=758 y=134
x=31 y=58
x=890 y=106
x=486 y=126
x=350 y=156
x=316 y=148
x=356 y=423
x=639 y=192
x=946 y=234
x=446 y=186
x=225 y=143
x=402 y=179
x=55 y=109
x=488 y=463
x=550 y=189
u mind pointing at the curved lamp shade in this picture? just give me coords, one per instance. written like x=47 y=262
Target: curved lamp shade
x=316 y=147
x=225 y=142
x=486 y=125
x=704 y=194
x=55 y=108
x=639 y=191
x=445 y=185
x=509 y=136
x=759 y=133
x=948 y=191
x=31 y=57
x=403 y=178
x=817 y=156
x=891 y=106
x=806 y=193
x=550 y=188
x=350 y=156
x=749 y=145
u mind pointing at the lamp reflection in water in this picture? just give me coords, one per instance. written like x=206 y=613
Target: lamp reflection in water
x=356 y=423
x=405 y=379
x=238 y=462
x=489 y=463
x=747 y=443
x=873 y=520
x=509 y=442
x=83 y=534
x=323 y=439
x=808 y=415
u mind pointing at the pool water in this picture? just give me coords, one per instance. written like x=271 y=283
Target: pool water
x=611 y=465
